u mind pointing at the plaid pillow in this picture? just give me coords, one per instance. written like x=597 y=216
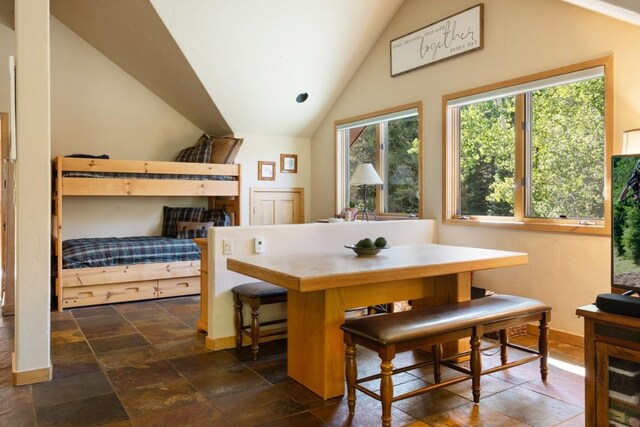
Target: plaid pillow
x=218 y=217
x=199 y=153
x=174 y=215
x=193 y=230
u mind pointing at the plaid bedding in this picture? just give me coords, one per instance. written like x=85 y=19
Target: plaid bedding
x=126 y=175
x=109 y=251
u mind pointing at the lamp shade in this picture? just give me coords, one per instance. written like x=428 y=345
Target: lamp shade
x=366 y=174
x=631 y=141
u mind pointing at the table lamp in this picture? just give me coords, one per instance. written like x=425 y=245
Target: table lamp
x=365 y=174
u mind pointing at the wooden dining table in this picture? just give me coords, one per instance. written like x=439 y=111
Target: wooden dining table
x=323 y=285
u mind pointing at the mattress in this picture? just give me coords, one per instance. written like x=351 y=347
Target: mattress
x=127 y=175
x=111 y=251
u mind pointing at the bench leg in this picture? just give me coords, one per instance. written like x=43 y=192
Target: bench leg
x=504 y=340
x=543 y=345
x=351 y=372
x=255 y=326
x=476 y=366
x=436 y=351
x=386 y=384
x=238 y=320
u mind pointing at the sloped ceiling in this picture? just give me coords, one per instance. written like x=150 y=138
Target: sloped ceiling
x=132 y=35
x=255 y=57
x=624 y=10
x=236 y=65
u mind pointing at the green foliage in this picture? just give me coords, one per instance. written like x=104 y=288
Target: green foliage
x=402 y=165
x=568 y=150
x=487 y=157
x=565 y=159
x=626 y=215
x=402 y=156
x=631 y=236
x=619 y=222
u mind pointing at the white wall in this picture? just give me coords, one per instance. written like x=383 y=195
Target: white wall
x=521 y=37
x=97 y=108
x=7 y=48
x=31 y=362
x=269 y=148
x=287 y=239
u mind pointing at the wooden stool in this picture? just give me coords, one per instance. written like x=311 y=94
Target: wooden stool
x=256 y=294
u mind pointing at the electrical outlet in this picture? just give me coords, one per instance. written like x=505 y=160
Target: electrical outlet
x=258 y=245
x=227 y=247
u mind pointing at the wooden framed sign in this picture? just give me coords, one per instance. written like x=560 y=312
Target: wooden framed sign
x=449 y=37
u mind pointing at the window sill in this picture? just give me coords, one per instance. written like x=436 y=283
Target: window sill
x=571 y=227
x=392 y=217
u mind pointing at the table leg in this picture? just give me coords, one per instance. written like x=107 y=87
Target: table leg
x=448 y=289
x=315 y=356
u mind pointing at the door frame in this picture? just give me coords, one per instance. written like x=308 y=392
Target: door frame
x=7 y=221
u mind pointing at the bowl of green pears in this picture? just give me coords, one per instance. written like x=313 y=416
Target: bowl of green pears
x=368 y=247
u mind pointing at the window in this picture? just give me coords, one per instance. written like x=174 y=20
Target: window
x=390 y=141
x=531 y=152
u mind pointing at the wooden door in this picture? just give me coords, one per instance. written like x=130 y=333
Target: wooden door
x=271 y=206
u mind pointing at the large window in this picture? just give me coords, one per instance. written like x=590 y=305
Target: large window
x=390 y=141
x=531 y=152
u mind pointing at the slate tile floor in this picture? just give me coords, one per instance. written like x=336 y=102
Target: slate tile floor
x=144 y=364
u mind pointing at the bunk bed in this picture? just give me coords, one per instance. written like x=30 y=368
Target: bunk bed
x=81 y=285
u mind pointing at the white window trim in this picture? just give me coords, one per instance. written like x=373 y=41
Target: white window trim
x=530 y=86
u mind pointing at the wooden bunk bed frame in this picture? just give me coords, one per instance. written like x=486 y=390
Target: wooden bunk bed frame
x=103 y=285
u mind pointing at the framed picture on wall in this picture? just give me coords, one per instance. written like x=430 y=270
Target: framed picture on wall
x=288 y=163
x=266 y=171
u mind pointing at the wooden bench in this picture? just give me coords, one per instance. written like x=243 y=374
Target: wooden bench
x=388 y=334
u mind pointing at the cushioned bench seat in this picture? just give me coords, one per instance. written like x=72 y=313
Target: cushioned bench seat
x=389 y=334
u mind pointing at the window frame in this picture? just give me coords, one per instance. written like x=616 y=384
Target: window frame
x=451 y=169
x=342 y=172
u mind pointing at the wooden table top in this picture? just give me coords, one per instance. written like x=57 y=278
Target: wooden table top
x=306 y=272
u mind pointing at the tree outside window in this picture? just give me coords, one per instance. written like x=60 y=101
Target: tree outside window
x=530 y=153
x=567 y=150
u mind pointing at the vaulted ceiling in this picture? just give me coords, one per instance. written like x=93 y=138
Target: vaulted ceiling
x=237 y=66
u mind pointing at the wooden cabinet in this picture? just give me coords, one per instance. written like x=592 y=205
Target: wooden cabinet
x=612 y=363
x=271 y=206
x=113 y=292
x=202 y=323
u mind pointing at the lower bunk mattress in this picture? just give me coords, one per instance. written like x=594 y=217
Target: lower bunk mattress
x=112 y=251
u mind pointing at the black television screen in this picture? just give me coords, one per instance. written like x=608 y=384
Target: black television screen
x=625 y=221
